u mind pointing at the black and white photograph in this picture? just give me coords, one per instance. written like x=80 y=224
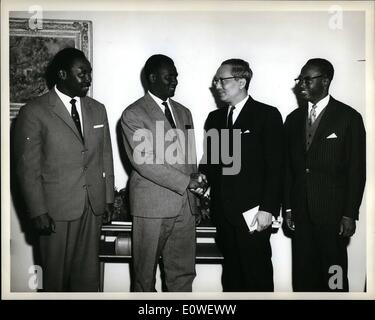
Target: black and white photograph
x=187 y=150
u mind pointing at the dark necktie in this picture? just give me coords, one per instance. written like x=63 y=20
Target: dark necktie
x=75 y=116
x=230 y=127
x=168 y=114
x=230 y=117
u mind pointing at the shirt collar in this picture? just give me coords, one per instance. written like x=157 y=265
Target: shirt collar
x=239 y=105
x=320 y=105
x=157 y=99
x=64 y=98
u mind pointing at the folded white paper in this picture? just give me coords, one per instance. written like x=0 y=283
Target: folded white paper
x=249 y=217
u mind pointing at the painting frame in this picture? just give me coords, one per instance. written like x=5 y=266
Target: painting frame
x=26 y=69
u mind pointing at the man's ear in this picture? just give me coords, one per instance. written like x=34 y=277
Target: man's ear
x=326 y=82
x=152 y=78
x=242 y=82
x=62 y=75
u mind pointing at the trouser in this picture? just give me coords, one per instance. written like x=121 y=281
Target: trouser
x=319 y=258
x=173 y=239
x=70 y=255
x=247 y=265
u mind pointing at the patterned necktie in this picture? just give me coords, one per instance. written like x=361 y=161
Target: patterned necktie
x=312 y=116
x=168 y=114
x=75 y=116
x=230 y=117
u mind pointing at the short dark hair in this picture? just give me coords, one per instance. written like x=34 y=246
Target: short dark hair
x=63 y=60
x=241 y=69
x=154 y=63
x=324 y=66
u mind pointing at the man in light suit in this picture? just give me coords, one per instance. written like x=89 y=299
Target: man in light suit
x=65 y=168
x=161 y=203
x=324 y=181
x=247 y=262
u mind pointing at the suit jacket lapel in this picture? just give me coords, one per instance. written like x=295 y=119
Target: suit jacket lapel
x=222 y=119
x=60 y=110
x=86 y=121
x=302 y=128
x=155 y=112
x=326 y=121
x=177 y=116
x=245 y=115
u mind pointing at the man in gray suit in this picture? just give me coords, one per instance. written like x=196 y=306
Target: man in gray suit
x=65 y=168
x=161 y=183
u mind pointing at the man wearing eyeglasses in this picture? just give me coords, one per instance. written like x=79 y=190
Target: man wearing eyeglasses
x=324 y=181
x=247 y=262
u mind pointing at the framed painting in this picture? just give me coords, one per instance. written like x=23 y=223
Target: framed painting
x=30 y=51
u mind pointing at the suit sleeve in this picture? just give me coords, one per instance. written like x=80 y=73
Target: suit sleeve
x=151 y=167
x=191 y=150
x=273 y=157
x=205 y=165
x=356 y=174
x=287 y=177
x=28 y=148
x=108 y=161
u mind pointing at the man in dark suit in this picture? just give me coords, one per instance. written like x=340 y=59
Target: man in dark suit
x=155 y=133
x=324 y=181
x=65 y=168
x=247 y=256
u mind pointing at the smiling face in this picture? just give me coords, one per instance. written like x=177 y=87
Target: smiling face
x=163 y=82
x=313 y=85
x=76 y=81
x=229 y=90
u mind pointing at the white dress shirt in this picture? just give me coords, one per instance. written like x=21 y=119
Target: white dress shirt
x=159 y=103
x=66 y=102
x=238 y=108
x=320 y=105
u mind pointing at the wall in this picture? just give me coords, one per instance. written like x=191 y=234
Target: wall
x=276 y=44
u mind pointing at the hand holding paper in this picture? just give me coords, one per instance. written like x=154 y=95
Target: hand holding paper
x=257 y=219
x=264 y=219
x=250 y=218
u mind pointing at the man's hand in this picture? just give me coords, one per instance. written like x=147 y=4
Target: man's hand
x=108 y=213
x=264 y=219
x=44 y=224
x=289 y=221
x=198 y=183
x=347 y=227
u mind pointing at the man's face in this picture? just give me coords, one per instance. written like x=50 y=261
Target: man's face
x=77 y=80
x=229 y=89
x=313 y=84
x=163 y=82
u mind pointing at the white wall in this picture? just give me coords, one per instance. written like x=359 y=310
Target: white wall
x=276 y=44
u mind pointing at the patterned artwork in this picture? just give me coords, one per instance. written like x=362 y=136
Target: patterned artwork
x=31 y=51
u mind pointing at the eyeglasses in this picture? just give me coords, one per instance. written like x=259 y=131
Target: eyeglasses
x=215 y=81
x=307 y=80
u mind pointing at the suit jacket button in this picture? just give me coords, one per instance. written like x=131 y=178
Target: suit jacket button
x=307 y=170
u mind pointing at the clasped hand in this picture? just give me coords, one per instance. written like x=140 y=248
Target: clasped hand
x=264 y=220
x=44 y=224
x=198 y=183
